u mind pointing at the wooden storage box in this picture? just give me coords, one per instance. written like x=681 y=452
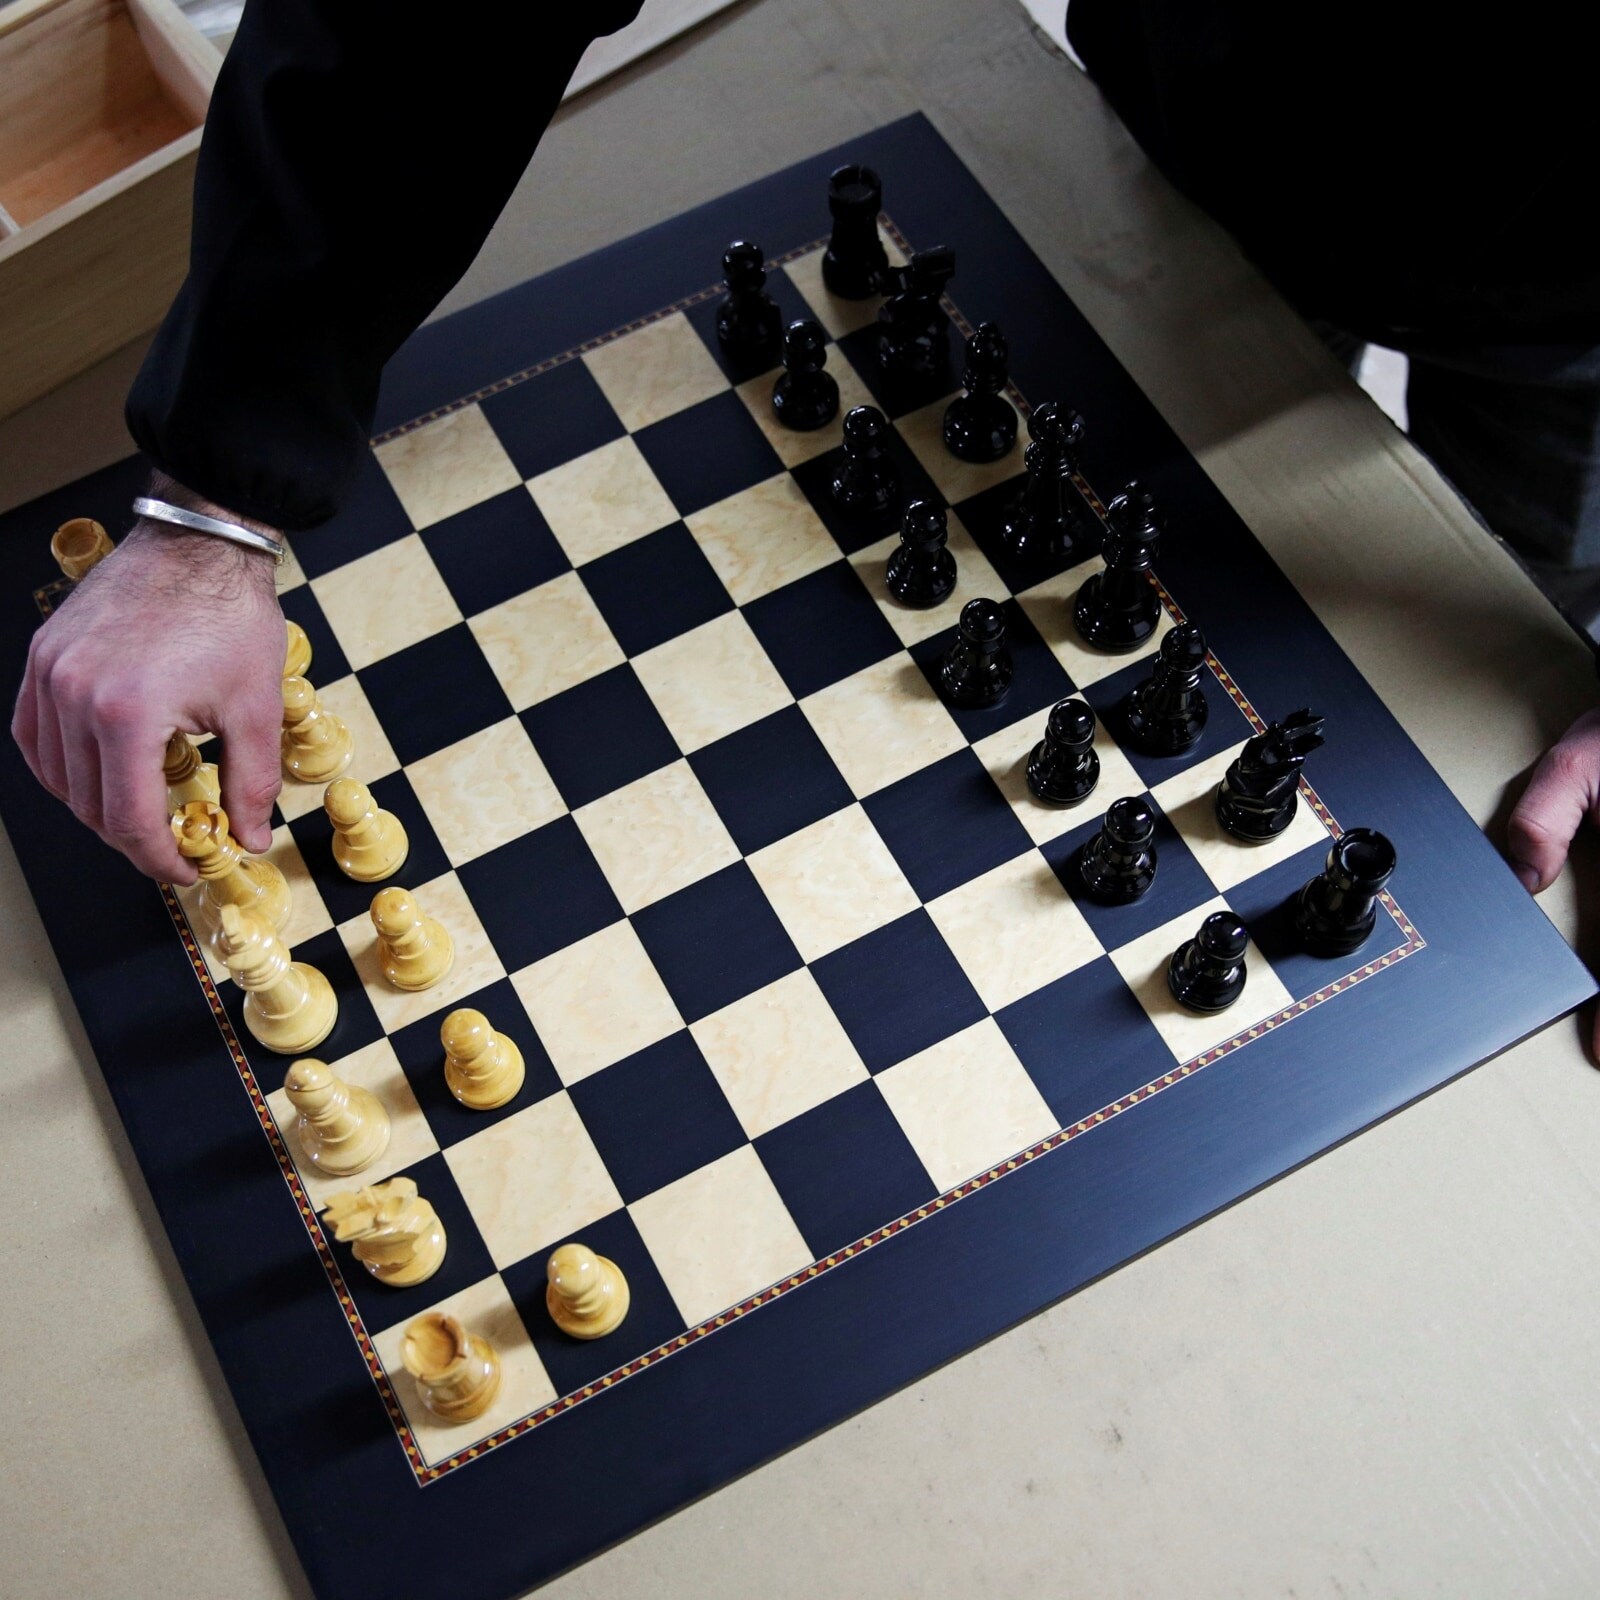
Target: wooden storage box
x=101 y=106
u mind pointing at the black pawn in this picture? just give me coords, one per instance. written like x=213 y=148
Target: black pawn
x=1207 y=972
x=1118 y=864
x=1045 y=518
x=867 y=483
x=749 y=325
x=805 y=397
x=1260 y=792
x=854 y=260
x=1337 y=910
x=920 y=571
x=976 y=670
x=1118 y=609
x=1166 y=714
x=979 y=425
x=913 y=327
x=1064 y=767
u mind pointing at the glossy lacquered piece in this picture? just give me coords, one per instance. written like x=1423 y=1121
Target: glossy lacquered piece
x=341 y=1127
x=187 y=776
x=921 y=571
x=457 y=1373
x=980 y=424
x=1048 y=516
x=1166 y=714
x=1063 y=768
x=369 y=843
x=289 y=1006
x=415 y=950
x=227 y=875
x=1118 y=864
x=1260 y=791
x=483 y=1069
x=317 y=745
x=1336 y=912
x=1207 y=973
x=79 y=545
x=913 y=326
x=867 y=484
x=749 y=324
x=586 y=1294
x=854 y=262
x=976 y=670
x=395 y=1234
x=805 y=396
x=297 y=650
x=1118 y=609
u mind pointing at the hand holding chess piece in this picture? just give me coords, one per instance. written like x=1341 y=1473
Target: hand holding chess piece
x=110 y=679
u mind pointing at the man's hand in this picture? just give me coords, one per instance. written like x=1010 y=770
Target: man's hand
x=172 y=632
x=1564 y=789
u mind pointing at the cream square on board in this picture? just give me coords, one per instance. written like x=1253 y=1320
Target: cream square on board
x=955 y=479
x=711 y=681
x=447 y=465
x=974 y=577
x=720 y=1234
x=762 y=538
x=655 y=371
x=374 y=756
x=598 y=502
x=382 y=602
x=544 y=641
x=1049 y=607
x=795 y=445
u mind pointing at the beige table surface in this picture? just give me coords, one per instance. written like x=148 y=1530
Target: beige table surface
x=1378 y=1377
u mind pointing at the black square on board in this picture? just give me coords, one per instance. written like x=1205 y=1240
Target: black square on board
x=898 y=990
x=652 y=1318
x=434 y=693
x=716 y=941
x=821 y=628
x=552 y=418
x=539 y=893
x=655 y=588
x=897 y=396
x=328 y=663
x=599 y=735
x=707 y=452
x=1038 y=679
x=370 y=517
x=344 y=897
x=418 y=1048
x=494 y=550
x=770 y=779
x=657 y=1116
x=855 y=532
x=947 y=824
x=844 y=1168
x=984 y=516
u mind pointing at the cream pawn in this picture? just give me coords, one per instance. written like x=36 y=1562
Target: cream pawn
x=342 y=1128
x=80 y=545
x=297 y=650
x=457 y=1373
x=395 y=1234
x=316 y=745
x=587 y=1295
x=227 y=875
x=482 y=1068
x=414 y=950
x=188 y=777
x=288 y=1005
x=368 y=842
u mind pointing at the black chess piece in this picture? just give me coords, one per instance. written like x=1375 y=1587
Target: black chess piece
x=867 y=483
x=980 y=424
x=1118 y=609
x=1260 y=791
x=1166 y=714
x=749 y=325
x=913 y=327
x=1047 y=516
x=805 y=397
x=1118 y=864
x=920 y=571
x=1064 y=768
x=976 y=670
x=1335 y=912
x=1207 y=972
x=854 y=261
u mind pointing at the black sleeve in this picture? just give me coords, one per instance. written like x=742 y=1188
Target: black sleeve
x=355 y=156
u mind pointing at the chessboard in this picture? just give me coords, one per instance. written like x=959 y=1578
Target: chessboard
x=826 y=1046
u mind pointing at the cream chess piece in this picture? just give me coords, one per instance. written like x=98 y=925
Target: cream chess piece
x=483 y=1069
x=414 y=950
x=396 y=1235
x=288 y=1005
x=317 y=745
x=188 y=777
x=79 y=545
x=297 y=651
x=227 y=875
x=342 y=1128
x=368 y=842
x=587 y=1295
x=457 y=1373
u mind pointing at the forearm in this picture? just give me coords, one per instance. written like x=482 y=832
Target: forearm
x=355 y=156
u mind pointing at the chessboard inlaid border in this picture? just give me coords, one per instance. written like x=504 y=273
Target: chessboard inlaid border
x=46 y=598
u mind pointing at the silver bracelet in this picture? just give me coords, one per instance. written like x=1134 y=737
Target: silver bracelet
x=199 y=522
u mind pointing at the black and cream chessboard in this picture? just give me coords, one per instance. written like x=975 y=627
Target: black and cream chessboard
x=827 y=1048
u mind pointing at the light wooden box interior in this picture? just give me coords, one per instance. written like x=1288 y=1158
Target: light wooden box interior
x=101 y=106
